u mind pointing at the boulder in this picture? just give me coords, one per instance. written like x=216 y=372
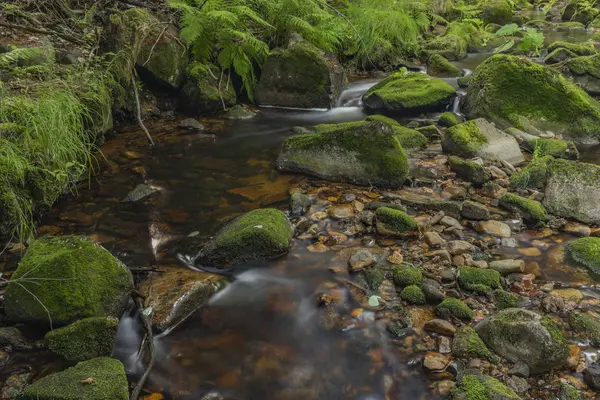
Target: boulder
x=481 y=387
x=579 y=11
x=438 y=65
x=496 y=11
x=580 y=49
x=408 y=138
x=300 y=76
x=451 y=47
x=479 y=138
x=409 y=93
x=533 y=176
x=585 y=71
x=361 y=153
x=586 y=251
x=257 y=235
x=395 y=222
x=522 y=335
x=201 y=92
x=81 y=279
x=97 y=379
x=470 y=171
x=84 y=339
x=573 y=190
x=535 y=98
x=531 y=210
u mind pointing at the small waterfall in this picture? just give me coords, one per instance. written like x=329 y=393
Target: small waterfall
x=456 y=104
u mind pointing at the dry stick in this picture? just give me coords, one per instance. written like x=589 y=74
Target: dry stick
x=220 y=95
x=138 y=113
x=154 y=45
x=65 y=36
x=149 y=344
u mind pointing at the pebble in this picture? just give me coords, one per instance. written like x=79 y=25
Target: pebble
x=444 y=345
x=361 y=259
x=510 y=242
x=443 y=254
x=457 y=247
x=435 y=361
x=459 y=261
x=14 y=386
x=517 y=384
x=433 y=239
x=475 y=211
x=447 y=275
x=341 y=211
x=569 y=295
x=440 y=326
x=506 y=267
x=445 y=387
x=520 y=369
x=451 y=222
x=318 y=216
x=317 y=248
x=432 y=292
x=530 y=252
x=495 y=228
x=497 y=173
x=396 y=257
x=577 y=229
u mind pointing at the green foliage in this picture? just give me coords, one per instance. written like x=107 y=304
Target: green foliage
x=528 y=41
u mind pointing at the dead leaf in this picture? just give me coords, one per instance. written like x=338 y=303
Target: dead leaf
x=88 y=380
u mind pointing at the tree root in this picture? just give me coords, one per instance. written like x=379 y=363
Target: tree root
x=138 y=109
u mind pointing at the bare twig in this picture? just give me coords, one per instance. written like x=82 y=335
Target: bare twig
x=138 y=113
x=220 y=94
x=39 y=301
x=154 y=45
x=65 y=36
x=147 y=343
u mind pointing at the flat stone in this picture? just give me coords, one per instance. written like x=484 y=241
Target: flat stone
x=475 y=211
x=457 y=247
x=361 y=259
x=440 y=326
x=443 y=254
x=141 y=192
x=452 y=222
x=433 y=239
x=435 y=361
x=191 y=124
x=530 y=251
x=577 y=229
x=506 y=267
x=495 y=228
x=497 y=173
x=341 y=211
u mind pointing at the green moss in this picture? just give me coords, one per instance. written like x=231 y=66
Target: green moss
x=478 y=280
x=430 y=131
x=396 y=221
x=559 y=55
x=533 y=176
x=569 y=26
x=555 y=148
x=586 y=324
x=532 y=97
x=81 y=279
x=568 y=392
x=373 y=277
x=504 y=299
x=405 y=275
x=413 y=294
x=448 y=119
x=579 y=11
x=496 y=11
x=559 y=343
x=409 y=92
x=480 y=387
x=585 y=65
x=464 y=81
x=456 y=308
x=84 y=339
x=467 y=344
x=469 y=170
x=467 y=137
x=586 y=251
x=259 y=234
x=581 y=49
x=408 y=138
x=531 y=210
x=437 y=65
x=108 y=382
x=201 y=91
x=452 y=47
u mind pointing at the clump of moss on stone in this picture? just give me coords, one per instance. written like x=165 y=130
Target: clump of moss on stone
x=405 y=275
x=531 y=210
x=456 y=308
x=438 y=65
x=452 y=47
x=559 y=55
x=587 y=324
x=478 y=280
x=586 y=251
x=496 y=11
x=581 y=49
x=533 y=176
x=467 y=136
x=109 y=382
x=585 y=65
x=469 y=170
x=504 y=299
x=555 y=148
x=413 y=294
x=430 y=131
x=81 y=279
x=467 y=344
x=373 y=277
x=408 y=138
x=84 y=339
x=464 y=81
x=568 y=392
x=391 y=221
x=481 y=387
x=448 y=119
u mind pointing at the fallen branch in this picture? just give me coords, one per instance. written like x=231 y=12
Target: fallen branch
x=138 y=113
x=31 y=29
x=147 y=343
x=154 y=45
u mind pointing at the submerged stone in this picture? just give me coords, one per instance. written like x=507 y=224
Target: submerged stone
x=141 y=192
x=364 y=153
x=409 y=93
x=84 y=339
x=81 y=279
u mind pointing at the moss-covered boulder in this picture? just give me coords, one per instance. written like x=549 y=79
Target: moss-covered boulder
x=479 y=138
x=585 y=71
x=559 y=55
x=300 y=76
x=481 y=387
x=517 y=92
x=555 y=148
x=408 y=138
x=479 y=280
x=587 y=325
x=496 y=11
x=580 y=49
x=532 y=176
x=80 y=279
x=84 y=339
x=532 y=211
x=522 y=335
x=257 y=235
x=361 y=153
x=504 y=299
x=456 y=308
x=586 y=251
x=438 y=65
x=395 y=222
x=469 y=170
x=409 y=93
x=406 y=275
x=413 y=294
x=451 y=47
x=203 y=94
x=579 y=11
x=573 y=190
x=97 y=379
x=467 y=344
x=449 y=119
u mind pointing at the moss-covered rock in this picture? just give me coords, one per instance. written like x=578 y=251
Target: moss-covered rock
x=409 y=93
x=479 y=280
x=532 y=211
x=573 y=190
x=413 y=294
x=559 y=55
x=408 y=138
x=108 y=382
x=448 y=119
x=469 y=170
x=202 y=94
x=532 y=97
x=395 y=222
x=84 y=339
x=496 y=11
x=257 y=235
x=568 y=392
x=374 y=277
x=364 y=153
x=300 y=76
x=585 y=71
x=438 y=65
x=581 y=49
x=533 y=176
x=464 y=81
x=481 y=387
x=406 y=275
x=456 y=308
x=504 y=299
x=467 y=344
x=555 y=148
x=586 y=251
x=80 y=279
x=522 y=335
x=587 y=325
x=451 y=47
x=479 y=138
x=430 y=132
x=579 y=11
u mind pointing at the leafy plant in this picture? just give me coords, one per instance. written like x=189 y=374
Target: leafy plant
x=527 y=40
